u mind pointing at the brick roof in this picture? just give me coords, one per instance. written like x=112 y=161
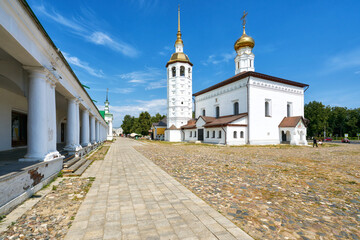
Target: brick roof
x=247 y=74
x=291 y=121
x=190 y=124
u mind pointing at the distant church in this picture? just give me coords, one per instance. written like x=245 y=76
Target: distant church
x=248 y=108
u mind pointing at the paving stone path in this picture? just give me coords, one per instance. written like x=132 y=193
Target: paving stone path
x=132 y=198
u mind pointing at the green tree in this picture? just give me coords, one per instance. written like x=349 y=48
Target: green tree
x=318 y=115
x=157 y=118
x=144 y=123
x=127 y=124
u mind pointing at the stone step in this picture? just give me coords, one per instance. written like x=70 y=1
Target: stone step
x=81 y=169
x=75 y=166
x=68 y=157
x=70 y=162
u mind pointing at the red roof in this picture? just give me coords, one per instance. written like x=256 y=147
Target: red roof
x=190 y=124
x=291 y=121
x=226 y=120
x=247 y=74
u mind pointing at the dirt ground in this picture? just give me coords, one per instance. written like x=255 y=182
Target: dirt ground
x=272 y=192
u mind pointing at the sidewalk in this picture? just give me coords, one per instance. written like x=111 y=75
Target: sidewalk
x=132 y=198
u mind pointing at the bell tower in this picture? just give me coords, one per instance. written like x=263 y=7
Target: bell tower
x=179 y=90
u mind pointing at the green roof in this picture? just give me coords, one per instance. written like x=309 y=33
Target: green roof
x=102 y=113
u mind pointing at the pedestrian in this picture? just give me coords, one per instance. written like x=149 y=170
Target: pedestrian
x=314 y=142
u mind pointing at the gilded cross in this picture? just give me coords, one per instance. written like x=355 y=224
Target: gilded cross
x=243 y=18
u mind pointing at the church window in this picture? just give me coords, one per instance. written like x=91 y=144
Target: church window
x=219 y=136
x=173 y=71
x=217 y=111
x=207 y=134
x=190 y=133
x=194 y=133
x=267 y=108
x=236 y=108
x=203 y=112
x=241 y=134
x=289 y=109
x=189 y=71
x=213 y=135
x=235 y=134
x=182 y=103
x=182 y=71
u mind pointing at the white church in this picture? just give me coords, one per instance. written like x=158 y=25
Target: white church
x=247 y=108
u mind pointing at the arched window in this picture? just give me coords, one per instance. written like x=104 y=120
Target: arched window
x=190 y=133
x=267 y=108
x=241 y=134
x=217 y=111
x=236 y=108
x=189 y=71
x=182 y=71
x=289 y=109
x=203 y=112
x=235 y=134
x=213 y=136
x=173 y=71
x=219 y=136
x=207 y=134
x=194 y=133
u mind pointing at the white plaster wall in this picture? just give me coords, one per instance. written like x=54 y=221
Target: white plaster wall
x=187 y=135
x=179 y=89
x=215 y=140
x=230 y=140
x=224 y=97
x=173 y=135
x=9 y=102
x=265 y=130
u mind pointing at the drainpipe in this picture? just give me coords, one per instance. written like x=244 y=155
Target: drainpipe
x=248 y=110
x=225 y=135
x=193 y=99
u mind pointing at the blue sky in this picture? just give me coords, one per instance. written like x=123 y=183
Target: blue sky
x=125 y=45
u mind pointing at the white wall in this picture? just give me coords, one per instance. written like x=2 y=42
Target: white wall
x=265 y=130
x=9 y=102
x=224 y=97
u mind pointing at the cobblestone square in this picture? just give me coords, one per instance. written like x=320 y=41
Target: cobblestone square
x=272 y=192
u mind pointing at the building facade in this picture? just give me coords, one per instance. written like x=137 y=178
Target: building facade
x=43 y=104
x=250 y=107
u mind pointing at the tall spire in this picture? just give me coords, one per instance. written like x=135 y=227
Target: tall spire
x=179 y=40
x=107 y=93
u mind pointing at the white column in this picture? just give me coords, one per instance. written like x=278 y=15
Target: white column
x=77 y=125
x=85 y=128
x=37 y=112
x=96 y=131
x=51 y=118
x=41 y=128
x=92 y=129
x=71 y=126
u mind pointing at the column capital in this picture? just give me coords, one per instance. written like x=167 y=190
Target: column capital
x=42 y=72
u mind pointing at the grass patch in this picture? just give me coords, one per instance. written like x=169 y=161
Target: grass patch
x=100 y=153
x=2 y=217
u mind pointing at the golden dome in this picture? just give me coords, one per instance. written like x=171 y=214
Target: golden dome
x=179 y=57
x=244 y=41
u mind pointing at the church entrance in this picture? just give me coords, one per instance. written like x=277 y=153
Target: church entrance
x=200 y=134
x=283 y=136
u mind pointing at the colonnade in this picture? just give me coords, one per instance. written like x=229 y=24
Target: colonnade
x=41 y=137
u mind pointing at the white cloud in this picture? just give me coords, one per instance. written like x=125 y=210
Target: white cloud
x=91 y=35
x=116 y=90
x=214 y=59
x=101 y=38
x=84 y=65
x=150 y=78
x=73 y=24
x=341 y=61
x=166 y=51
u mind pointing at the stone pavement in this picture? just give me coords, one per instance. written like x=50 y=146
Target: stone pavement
x=132 y=198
